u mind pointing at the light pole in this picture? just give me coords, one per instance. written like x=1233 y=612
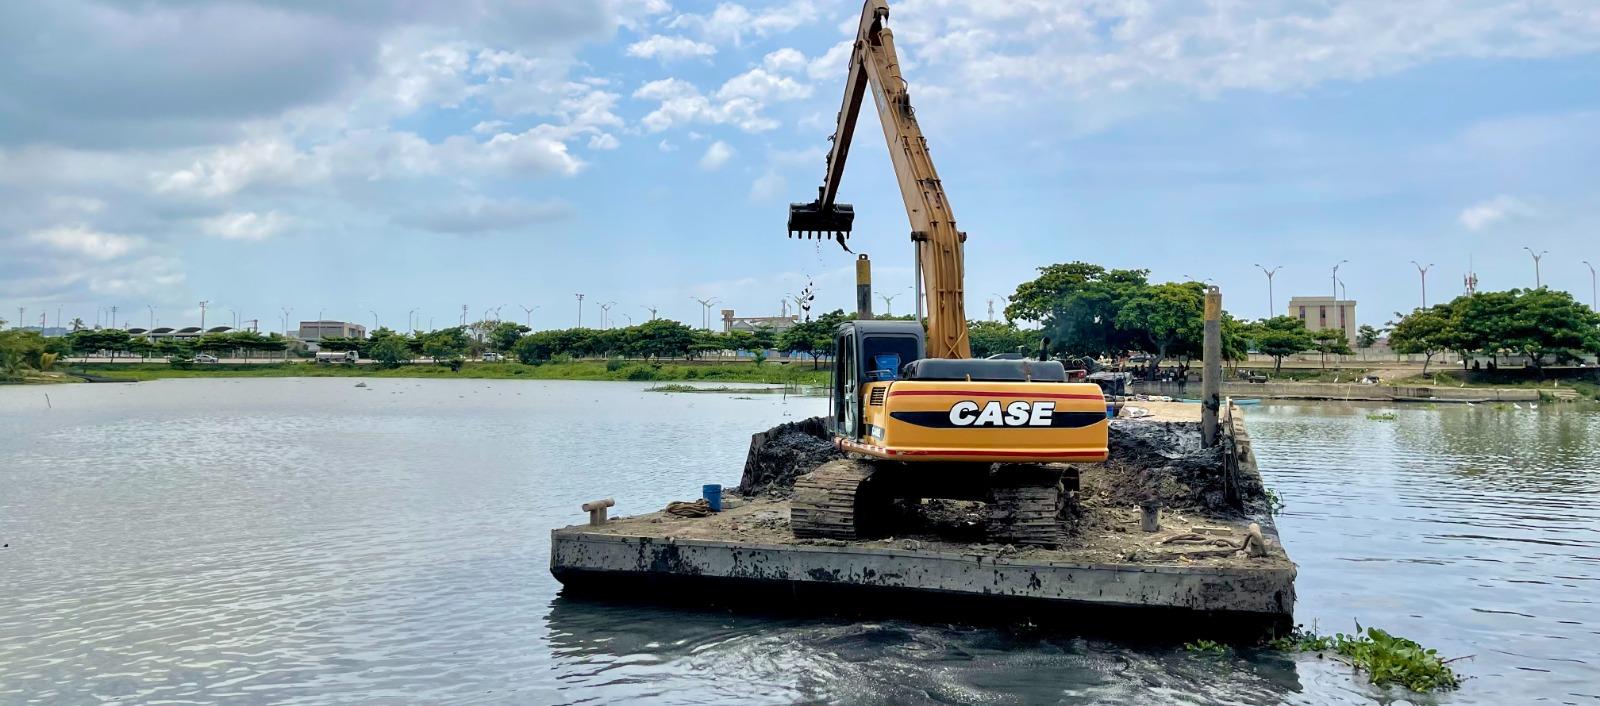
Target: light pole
x=705 y=315
x=1423 y=271
x=1336 y=281
x=888 y=303
x=1344 y=294
x=375 y=324
x=1537 y=282
x=113 y=316
x=233 y=315
x=152 y=316
x=21 y=311
x=529 y=311
x=580 y=309
x=650 y=309
x=629 y=317
x=1594 y=302
x=463 y=316
x=1272 y=306
x=286 y=312
x=605 y=314
x=203 y=304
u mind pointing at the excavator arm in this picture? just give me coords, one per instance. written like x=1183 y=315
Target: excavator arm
x=873 y=63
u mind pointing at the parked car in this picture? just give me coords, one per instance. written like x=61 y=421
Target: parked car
x=205 y=358
x=492 y=357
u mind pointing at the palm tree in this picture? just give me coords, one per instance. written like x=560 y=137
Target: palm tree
x=77 y=324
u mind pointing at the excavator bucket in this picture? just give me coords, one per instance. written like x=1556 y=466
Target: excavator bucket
x=808 y=220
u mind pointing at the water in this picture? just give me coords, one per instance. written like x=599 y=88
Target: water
x=308 y=541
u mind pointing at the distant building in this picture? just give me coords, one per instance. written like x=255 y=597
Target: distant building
x=1318 y=313
x=315 y=331
x=751 y=323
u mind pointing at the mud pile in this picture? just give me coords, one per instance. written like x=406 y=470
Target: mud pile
x=1164 y=463
x=783 y=452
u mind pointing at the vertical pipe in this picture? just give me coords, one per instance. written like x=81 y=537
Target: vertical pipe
x=1211 y=384
x=916 y=251
x=863 y=287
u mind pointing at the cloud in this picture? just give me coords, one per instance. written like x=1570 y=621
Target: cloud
x=481 y=215
x=245 y=225
x=769 y=187
x=784 y=60
x=604 y=141
x=763 y=86
x=716 y=155
x=739 y=101
x=732 y=22
x=667 y=48
x=1500 y=208
x=81 y=240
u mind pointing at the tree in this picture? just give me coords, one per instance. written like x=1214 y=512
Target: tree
x=1077 y=304
x=77 y=324
x=447 y=343
x=993 y=337
x=504 y=334
x=1168 y=315
x=1424 y=332
x=21 y=351
x=391 y=351
x=1367 y=336
x=1549 y=323
x=1330 y=340
x=763 y=338
x=660 y=338
x=813 y=338
x=1279 y=337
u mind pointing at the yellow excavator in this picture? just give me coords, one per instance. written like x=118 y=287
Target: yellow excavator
x=916 y=414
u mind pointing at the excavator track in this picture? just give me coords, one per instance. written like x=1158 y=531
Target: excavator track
x=826 y=499
x=1024 y=506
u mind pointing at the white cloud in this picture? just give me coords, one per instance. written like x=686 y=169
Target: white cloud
x=226 y=170
x=665 y=48
x=769 y=187
x=667 y=146
x=245 y=225
x=81 y=240
x=763 y=86
x=716 y=155
x=477 y=214
x=731 y=22
x=784 y=60
x=490 y=127
x=604 y=141
x=833 y=64
x=1500 y=208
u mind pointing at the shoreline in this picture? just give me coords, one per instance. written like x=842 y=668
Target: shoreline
x=628 y=371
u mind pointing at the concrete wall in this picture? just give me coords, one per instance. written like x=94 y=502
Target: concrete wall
x=1339 y=391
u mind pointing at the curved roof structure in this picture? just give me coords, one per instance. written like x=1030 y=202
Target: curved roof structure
x=219 y=329
x=189 y=329
x=136 y=331
x=161 y=329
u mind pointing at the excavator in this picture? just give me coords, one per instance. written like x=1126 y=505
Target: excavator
x=917 y=416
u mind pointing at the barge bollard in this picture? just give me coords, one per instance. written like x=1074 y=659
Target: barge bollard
x=1150 y=517
x=597 y=510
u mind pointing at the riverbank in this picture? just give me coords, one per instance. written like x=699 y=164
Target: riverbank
x=745 y=372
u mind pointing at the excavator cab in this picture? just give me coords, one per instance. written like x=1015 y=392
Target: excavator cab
x=868 y=352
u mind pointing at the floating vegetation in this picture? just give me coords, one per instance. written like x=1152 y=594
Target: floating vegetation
x=1381 y=417
x=1275 y=502
x=1206 y=647
x=1387 y=659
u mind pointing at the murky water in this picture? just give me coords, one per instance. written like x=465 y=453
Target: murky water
x=308 y=541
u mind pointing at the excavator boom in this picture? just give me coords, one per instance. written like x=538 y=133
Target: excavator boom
x=874 y=64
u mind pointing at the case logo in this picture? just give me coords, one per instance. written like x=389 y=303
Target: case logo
x=967 y=413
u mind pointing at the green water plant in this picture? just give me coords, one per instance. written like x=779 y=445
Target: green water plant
x=1206 y=647
x=1381 y=417
x=1275 y=502
x=1386 y=659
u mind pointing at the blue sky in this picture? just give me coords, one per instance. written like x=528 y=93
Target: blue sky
x=390 y=157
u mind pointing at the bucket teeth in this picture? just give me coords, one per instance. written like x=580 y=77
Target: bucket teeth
x=812 y=220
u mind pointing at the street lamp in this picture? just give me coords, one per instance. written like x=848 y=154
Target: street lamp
x=1272 y=306
x=203 y=315
x=1336 y=281
x=1594 y=302
x=375 y=324
x=529 y=310
x=152 y=309
x=705 y=315
x=1537 y=282
x=605 y=314
x=411 y=320
x=888 y=301
x=650 y=309
x=1423 y=271
x=580 y=309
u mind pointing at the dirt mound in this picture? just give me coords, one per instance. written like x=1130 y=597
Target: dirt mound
x=783 y=452
x=1164 y=462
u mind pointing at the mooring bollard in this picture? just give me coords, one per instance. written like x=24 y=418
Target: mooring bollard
x=597 y=510
x=1150 y=517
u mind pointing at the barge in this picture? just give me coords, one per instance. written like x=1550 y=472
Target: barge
x=1148 y=546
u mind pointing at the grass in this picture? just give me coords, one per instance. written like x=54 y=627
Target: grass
x=1386 y=659
x=1206 y=647
x=575 y=370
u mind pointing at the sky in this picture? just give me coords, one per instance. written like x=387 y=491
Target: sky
x=391 y=162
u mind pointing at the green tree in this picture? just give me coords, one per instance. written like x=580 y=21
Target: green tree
x=660 y=338
x=994 y=337
x=1279 y=337
x=1330 y=340
x=813 y=338
x=21 y=351
x=445 y=344
x=763 y=338
x=1170 y=317
x=504 y=335
x=1549 y=323
x=1367 y=336
x=1424 y=332
x=390 y=351
x=1077 y=305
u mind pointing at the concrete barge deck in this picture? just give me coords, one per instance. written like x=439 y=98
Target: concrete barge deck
x=1110 y=574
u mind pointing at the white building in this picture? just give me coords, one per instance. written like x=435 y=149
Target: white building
x=1318 y=313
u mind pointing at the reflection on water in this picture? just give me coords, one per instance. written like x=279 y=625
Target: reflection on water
x=307 y=541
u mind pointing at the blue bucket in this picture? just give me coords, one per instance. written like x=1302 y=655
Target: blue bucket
x=712 y=492
x=1111 y=411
